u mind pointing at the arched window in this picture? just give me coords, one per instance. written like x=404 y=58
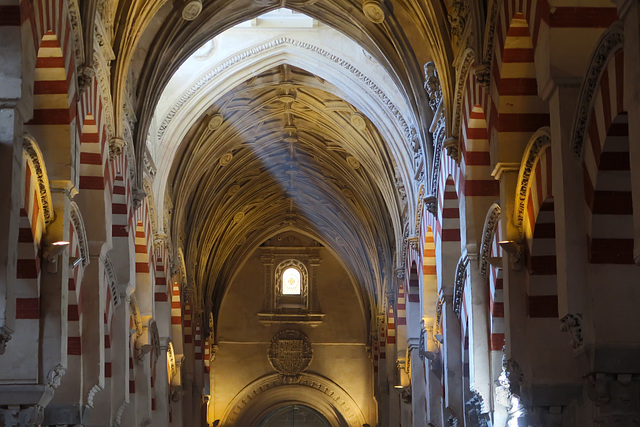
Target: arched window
x=291 y=282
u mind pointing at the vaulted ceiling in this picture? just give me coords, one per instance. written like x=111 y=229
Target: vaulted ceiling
x=280 y=151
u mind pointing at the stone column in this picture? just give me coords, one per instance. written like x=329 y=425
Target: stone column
x=161 y=387
x=10 y=171
x=418 y=384
x=479 y=351
x=452 y=356
x=54 y=287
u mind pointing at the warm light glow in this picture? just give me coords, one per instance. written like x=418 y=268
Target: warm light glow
x=60 y=243
x=291 y=281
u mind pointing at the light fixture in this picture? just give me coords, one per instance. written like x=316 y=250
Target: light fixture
x=510 y=246
x=398 y=387
x=51 y=252
x=514 y=249
x=74 y=262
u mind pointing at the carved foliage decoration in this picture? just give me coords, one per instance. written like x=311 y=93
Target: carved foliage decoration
x=290 y=353
x=81 y=234
x=34 y=156
x=490 y=222
x=460 y=280
x=539 y=142
x=611 y=41
x=432 y=85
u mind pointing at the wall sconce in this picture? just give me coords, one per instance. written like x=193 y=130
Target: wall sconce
x=514 y=249
x=51 y=252
x=74 y=262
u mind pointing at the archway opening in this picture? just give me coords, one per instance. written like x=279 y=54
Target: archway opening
x=294 y=416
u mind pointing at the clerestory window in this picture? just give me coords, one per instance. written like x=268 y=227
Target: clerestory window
x=291 y=282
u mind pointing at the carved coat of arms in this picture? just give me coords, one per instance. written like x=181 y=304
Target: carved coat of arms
x=290 y=353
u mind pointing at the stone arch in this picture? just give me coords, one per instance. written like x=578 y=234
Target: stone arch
x=518 y=110
x=54 y=109
x=322 y=394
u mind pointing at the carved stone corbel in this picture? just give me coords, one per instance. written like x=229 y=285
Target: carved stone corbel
x=5 y=337
x=116 y=145
x=572 y=323
x=483 y=74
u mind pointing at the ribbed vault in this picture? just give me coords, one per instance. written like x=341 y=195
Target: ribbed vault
x=281 y=152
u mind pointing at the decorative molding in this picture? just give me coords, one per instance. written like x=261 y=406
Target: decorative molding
x=611 y=41
x=488 y=230
x=92 y=394
x=283 y=41
x=81 y=233
x=460 y=280
x=419 y=212
x=490 y=30
x=31 y=148
x=76 y=29
x=120 y=412
x=341 y=401
x=539 y=141
x=437 y=151
x=572 y=323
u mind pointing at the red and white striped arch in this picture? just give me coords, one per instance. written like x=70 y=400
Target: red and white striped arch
x=607 y=176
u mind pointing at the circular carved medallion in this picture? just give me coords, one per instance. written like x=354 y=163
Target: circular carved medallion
x=191 y=10
x=290 y=352
x=373 y=11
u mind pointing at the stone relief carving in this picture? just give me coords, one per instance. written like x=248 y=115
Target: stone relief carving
x=432 y=85
x=457 y=16
x=290 y=354
x=532 y=154
x=490 y=222
x=572 y=323
x=609 y=43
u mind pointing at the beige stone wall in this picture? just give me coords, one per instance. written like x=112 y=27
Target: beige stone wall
x=338 y=343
